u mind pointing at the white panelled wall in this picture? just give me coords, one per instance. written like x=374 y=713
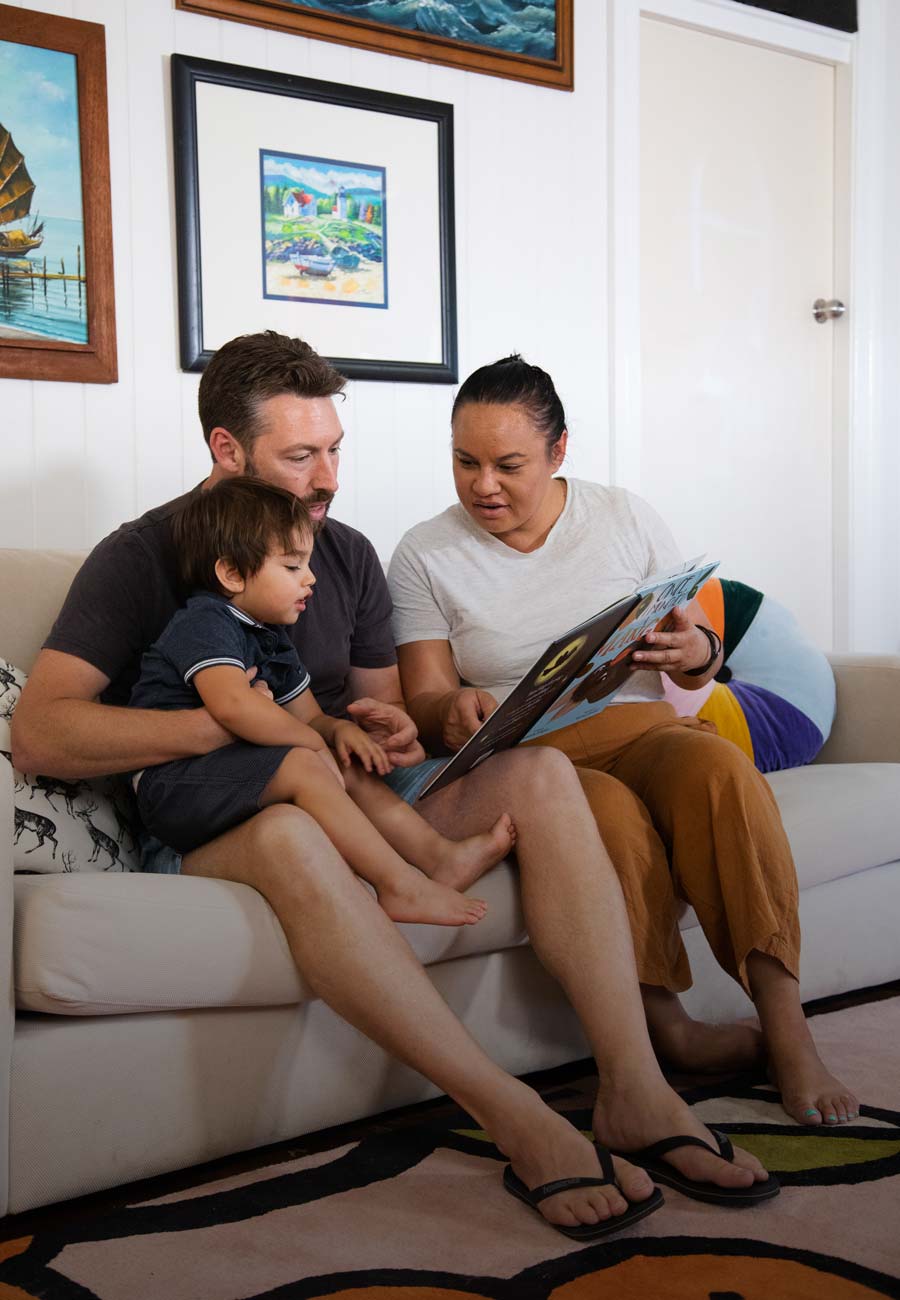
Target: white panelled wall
x=78 y=459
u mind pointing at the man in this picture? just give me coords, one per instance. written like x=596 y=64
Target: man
x=267 y=407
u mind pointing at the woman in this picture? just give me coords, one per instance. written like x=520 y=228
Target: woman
x=480 y=590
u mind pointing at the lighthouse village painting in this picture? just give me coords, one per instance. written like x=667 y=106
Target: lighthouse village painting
x=323 y=230
x=43 y=272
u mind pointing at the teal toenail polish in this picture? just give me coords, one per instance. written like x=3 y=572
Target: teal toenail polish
x=812 y=1111
x=831 y=1119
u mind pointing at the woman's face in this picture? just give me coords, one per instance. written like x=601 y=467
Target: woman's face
x=502 y=471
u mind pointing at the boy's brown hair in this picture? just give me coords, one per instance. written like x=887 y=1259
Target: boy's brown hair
x=253 y=367
x=241 y=520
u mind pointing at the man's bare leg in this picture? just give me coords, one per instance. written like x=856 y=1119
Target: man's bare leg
x=355 y=959
x=454 y=862
x=809 y=1092
x=403 y=892
x=576 y=917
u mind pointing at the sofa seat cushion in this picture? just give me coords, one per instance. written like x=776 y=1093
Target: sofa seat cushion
x=841 y=819
x=113 y=944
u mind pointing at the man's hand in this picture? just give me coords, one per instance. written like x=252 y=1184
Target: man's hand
x=677 y=650
x=462 y=714
x=349 y=739
x=262 y=685
x=392 y=729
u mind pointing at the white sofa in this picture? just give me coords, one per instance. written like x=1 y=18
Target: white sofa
x=148 y=1023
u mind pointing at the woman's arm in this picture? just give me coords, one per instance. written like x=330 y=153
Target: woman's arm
x=445 y=712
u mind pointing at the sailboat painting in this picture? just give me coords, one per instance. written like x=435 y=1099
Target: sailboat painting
x=43 y=270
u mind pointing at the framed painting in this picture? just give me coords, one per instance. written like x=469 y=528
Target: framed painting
x=527 y=40
x=57 y=303
x=318 y=210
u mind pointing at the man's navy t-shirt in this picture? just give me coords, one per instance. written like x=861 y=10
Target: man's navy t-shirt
x=127 y=590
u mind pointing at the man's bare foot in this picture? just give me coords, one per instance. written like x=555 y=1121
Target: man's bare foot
x=809 y=1092
x=548 y=1148
x=459 y=863
x=416 y=898
x=693 y=1045
x=628 y=1118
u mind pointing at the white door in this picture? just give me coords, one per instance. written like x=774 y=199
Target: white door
x=737 y=241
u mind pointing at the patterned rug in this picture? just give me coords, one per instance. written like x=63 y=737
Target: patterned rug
x=416 y=1212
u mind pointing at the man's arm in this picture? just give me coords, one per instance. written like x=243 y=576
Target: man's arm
x=61 y=729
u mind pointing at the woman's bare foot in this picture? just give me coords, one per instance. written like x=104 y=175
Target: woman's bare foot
x=459 y=863
x=694 y=1046
x=413 y=897
x=809 y=1092
x=547 y=1147
x=628 y=1118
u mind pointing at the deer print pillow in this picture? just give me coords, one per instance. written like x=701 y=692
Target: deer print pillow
x=64 y=825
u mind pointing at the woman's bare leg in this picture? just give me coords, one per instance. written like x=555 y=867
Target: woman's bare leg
x=403 y=892
x=457 y=863
x=809 y=1092
x=355 y=959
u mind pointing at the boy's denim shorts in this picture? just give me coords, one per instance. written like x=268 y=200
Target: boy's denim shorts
x=404 y=781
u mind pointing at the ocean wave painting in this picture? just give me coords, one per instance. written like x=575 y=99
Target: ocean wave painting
x=526 y=27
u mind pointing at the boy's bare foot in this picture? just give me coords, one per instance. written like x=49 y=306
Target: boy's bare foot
x=416 y=898
x=627 y=1118
x=809 y=1092
x=459 y=863
x=694 y=1046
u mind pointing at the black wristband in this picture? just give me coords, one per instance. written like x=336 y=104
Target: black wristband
x=715 y=649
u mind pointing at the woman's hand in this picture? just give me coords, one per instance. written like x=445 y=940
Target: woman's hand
x=462 y=713
x=349 y=739
x=683 y=647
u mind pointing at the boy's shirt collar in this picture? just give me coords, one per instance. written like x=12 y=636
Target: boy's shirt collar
x=216 y=597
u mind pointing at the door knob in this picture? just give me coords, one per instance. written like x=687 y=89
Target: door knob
x=828 y=309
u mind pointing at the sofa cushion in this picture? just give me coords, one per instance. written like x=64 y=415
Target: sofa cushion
x=106 y=944
x=774 y=695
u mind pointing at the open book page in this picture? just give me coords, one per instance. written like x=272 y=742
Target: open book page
x=597 y=681
x=577 y=674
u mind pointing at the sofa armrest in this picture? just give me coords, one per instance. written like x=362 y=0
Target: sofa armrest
x=7 y=993
x=868 y=705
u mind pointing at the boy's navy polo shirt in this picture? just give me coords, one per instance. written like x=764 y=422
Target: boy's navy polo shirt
x=210 y=631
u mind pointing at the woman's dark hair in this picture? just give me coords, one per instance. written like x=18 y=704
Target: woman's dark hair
x=241 y=520
x=253 y=367
x=513 y=382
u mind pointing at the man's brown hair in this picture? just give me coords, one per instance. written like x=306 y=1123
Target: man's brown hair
x=241 y=520
x=253 y=367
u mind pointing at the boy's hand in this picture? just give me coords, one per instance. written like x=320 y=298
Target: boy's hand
x=349 y=739
x=260 y=685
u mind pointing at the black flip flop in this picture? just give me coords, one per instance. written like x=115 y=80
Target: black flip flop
x=584 y=1231
x=650 y=1159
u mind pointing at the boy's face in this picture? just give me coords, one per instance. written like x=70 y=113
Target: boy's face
x=278 y=592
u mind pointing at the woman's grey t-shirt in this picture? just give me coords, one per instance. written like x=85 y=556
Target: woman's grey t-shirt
x=499 y=608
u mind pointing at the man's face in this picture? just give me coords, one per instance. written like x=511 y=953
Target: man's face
x=298 y=448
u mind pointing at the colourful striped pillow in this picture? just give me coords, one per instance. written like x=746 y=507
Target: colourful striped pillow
x=774 y=695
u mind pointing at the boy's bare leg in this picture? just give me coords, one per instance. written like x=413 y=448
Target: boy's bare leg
x=457 y=863
x=403 y=892
x=356 y=960
x=576 y=918
x=809 y=1092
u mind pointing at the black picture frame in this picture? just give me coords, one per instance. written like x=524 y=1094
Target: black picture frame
x=187 y=72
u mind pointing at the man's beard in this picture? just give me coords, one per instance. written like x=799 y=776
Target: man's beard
x=314 y=498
